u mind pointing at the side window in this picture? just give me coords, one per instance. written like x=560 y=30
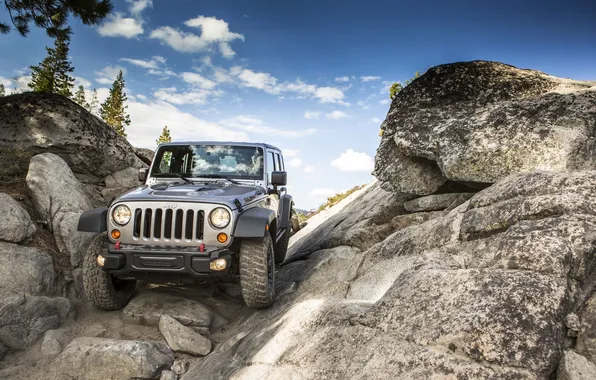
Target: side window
x=280 y=165
x=270 y=165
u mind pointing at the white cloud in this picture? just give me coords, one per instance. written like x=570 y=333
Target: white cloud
x=222 y=76
x=321 y=192
x=252 y=124
x=363 y=104
x=309 y=169
x=376 y=120
x=141 y=97
x=17 y=84
x=171 y=95
x=342 y=79
x=268 y=83
x=214 y=33
x=290 y=152
x=148 y=120
x=154 y=63
x=120 y=26
x=261 y=81
x=138 y=6
x=351 y=161
x=329 y=95
x=108 y=74
x=312 y=115
x=385 y=102
x=336 y=115
x=81 y=82
x=198 y=80
x=369 y=78
x=295 y=163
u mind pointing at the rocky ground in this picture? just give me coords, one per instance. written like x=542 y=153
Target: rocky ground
x=472 y=261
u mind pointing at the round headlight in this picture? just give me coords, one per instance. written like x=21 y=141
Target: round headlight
x=121 y=215
x=220 y=217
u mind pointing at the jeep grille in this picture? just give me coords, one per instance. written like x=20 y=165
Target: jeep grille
x=159 y=224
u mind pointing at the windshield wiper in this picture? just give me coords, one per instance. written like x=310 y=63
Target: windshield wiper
x=175 y=175
x=221 y=176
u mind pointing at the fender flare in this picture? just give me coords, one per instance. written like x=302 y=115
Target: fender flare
x=254 y=222
x=285 y=211
x=95 y=220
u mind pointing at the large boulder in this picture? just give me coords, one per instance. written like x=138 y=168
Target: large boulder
x=16 y=223
x=54 y=188
x=25 y=269
x=101 y=358
x=33 y=123
x=481 y=121
x=481 y=292
x=60 y=199
x=24 y=319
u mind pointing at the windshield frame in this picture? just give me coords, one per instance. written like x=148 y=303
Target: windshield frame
x=193 y=149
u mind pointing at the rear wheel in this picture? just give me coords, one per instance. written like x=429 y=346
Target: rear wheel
x=257 y=272
x=104 y=290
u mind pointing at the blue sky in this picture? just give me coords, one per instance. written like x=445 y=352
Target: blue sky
x=310 y=77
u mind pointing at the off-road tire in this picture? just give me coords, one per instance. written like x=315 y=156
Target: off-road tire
x=257 y=272
x=101 y=288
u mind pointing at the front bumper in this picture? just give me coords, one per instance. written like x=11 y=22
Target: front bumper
x=129 y=259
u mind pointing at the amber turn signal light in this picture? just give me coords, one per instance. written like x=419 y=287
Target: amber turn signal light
x=222 y=238
x=115 y=234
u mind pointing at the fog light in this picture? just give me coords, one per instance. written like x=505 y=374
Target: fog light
x=115 y=234
x=101 y=261
x=218 y=264
x=222 y=238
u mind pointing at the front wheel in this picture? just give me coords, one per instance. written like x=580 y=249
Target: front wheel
x=104 y=290
x=257 y=272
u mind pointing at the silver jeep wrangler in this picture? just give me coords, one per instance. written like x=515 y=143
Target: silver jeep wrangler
x=205 y=209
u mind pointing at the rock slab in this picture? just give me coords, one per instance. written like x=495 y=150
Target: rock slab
x=148 y=308
x=25 y=270
x=182 y=338
x=24 y=319
x=575 y=367
x=100 y=359
x=16 y=225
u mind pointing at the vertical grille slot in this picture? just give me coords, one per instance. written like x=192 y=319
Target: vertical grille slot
x=167 y=234
x=178 y=224
x=200 y=225
x=158 y=223
x=136 y=228
x=147 y=223
x=189 y=224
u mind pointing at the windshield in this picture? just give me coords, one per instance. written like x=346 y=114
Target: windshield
x=193 y=161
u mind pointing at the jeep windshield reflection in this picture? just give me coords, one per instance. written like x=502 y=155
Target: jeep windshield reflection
x=195 y=161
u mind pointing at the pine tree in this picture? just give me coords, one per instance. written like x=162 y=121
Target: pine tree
x=92 y=106
x=2 y=89
x=52 y=74
x=112 y=111
x=397 y=86
x=52 y=15
x=79 y=98
x=165 y=136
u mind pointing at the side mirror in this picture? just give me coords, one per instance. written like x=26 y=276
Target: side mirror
x=143 y=174
x=279 y=178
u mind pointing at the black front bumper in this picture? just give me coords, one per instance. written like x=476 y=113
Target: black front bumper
x=130 y=259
